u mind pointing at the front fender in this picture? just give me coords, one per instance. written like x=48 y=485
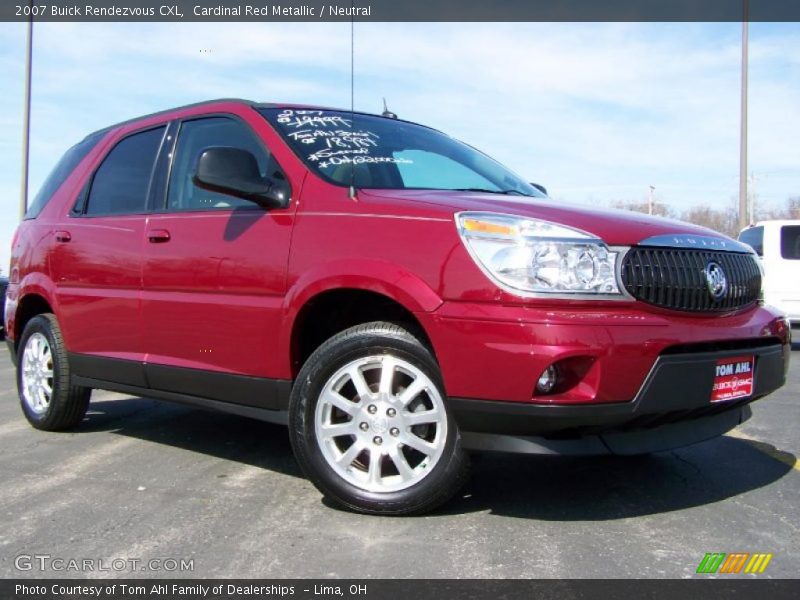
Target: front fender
x=377 y=276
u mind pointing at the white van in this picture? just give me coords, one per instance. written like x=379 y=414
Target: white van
x=778 y=245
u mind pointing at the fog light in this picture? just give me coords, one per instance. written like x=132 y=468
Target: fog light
x=547 y=380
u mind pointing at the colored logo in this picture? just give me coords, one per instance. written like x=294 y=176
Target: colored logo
x=736 y=562
x=716 y=280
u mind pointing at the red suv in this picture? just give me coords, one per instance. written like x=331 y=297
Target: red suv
x=392 y=294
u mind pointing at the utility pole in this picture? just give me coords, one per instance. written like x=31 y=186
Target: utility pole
x=744 y=219
x=26 y=117
x=752 y=197
x=650 y=200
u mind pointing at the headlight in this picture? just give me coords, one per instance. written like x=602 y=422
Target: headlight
x=538 y=257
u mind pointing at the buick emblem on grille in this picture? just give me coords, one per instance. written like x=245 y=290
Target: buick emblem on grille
x=716 y=280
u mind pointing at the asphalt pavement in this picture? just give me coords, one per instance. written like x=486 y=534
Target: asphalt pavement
x=143 y=481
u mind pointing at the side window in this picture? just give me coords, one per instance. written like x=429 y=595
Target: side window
x=194 y=137
x=754 y=237
x=790 y=242
x=121 y=183
x=60 y=172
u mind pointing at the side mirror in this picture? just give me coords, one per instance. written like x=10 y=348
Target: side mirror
x=235 y=171
x=540 y=187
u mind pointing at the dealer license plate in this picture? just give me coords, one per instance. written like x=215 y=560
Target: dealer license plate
x=733 y=378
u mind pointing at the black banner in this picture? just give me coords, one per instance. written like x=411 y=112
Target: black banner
x=400 y=10
x=399 y=589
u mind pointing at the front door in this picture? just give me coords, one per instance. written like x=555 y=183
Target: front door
x=214 y=276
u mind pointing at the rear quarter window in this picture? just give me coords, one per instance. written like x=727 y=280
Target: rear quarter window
x=60 y=172
x=790 y=242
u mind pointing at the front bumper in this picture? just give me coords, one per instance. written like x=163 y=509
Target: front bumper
x=788 y=306
x=671 y=410
x=648 y=386
x=496 y=352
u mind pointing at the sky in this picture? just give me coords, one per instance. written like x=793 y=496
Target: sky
x=597 y=112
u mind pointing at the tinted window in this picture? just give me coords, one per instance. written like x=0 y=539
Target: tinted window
x=60 y=172
x=198 y=135
x=790 y=242
x=754 y=237
x=377 y=152
x=121 y=183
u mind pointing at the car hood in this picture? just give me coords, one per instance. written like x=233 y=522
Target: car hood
x=615 y=227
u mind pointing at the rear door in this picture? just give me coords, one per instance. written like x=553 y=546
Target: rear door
x=214 y=275
x=96 y=262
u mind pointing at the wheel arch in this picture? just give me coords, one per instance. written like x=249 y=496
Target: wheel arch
x=32 y=300
x=323 y=306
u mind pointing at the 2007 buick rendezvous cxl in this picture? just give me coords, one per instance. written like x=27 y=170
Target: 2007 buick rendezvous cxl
x=393 y=295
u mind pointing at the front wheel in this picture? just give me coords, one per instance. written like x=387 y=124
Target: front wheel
x=370 y=426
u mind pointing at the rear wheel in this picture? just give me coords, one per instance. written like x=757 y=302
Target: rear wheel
x=47 y=396
x=370 y=426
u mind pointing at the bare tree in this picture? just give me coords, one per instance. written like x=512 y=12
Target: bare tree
x=793 y=207
x=659 y=208
x=724 y=221
x=790 y=210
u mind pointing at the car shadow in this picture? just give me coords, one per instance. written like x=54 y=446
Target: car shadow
x=604 y=488
x=243 y=218
x=229 y=437
x=549 y=488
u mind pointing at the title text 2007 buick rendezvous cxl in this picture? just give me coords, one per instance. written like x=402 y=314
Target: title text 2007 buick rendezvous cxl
x=393 y=295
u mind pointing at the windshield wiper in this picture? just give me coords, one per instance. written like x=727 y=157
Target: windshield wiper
x=485 y=191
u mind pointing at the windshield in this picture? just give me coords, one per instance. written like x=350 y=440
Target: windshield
x=377 y=152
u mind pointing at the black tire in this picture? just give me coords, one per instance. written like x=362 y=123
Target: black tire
x=443 y=480
x=68 y=402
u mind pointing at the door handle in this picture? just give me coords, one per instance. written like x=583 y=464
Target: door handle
x=158 y=236
x=63 y=236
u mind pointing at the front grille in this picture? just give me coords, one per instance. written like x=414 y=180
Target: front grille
x=675 y=278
